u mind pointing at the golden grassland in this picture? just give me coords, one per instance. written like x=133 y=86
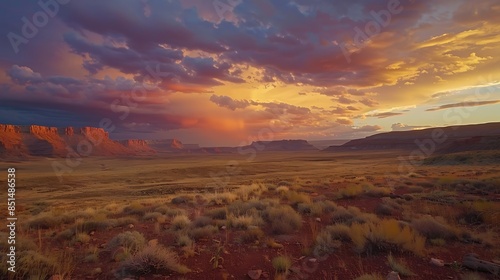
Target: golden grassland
x=201 y=205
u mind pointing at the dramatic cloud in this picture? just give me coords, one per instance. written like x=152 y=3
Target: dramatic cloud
x=228 y=102
x=313 y=68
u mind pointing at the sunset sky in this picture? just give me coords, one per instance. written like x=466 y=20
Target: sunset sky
x=232 y=71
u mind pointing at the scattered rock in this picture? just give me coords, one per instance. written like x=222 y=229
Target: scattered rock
x=265 y=275
x=223 y=227
x=96 y=271
x=313 y=260
x=393 y=275
x=131 y=226
x=91 y=233
x=473 y=262
x=437 y=262
x=318 y=220
x=255 y=274
x=153 y=242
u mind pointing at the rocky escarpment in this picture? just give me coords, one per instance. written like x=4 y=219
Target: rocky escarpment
x=35 y=140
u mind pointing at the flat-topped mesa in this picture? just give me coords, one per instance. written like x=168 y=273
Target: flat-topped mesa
x=134 y=142
x=8 y=128
x=166 y=144
x=94 y=131
x=41 y=130
x=283 y=145
x=68 y=131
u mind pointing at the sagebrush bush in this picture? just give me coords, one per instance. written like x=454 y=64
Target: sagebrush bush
x=281 y=264
x=294 y=198
x=135 y=208
x=314 y=209
x=33 y=265
x=379 y=235
x=217 y=213
x=152 y=259
x=151 y=216
x=244 y=221
x=433 y=228
x=201 y=221
x=132 y=240
x=180 y=222
x=44 y=220
x=283 y=219
x=184 y=240
x=223 y=198
x=251 y=235
x=203 y=232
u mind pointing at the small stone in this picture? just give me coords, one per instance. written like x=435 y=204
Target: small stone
x=255 y=274
x=265 y=275
x=313 y=260
x=437 y=262
x=96 y=271
x=318 y=220
x=393 y=275
x=220 y=266
x=131 y=226
x=223 y=227
x=91 y=233
x=153 y=242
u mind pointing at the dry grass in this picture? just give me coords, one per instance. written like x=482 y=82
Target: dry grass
x=374 y=236
x=180 y=222
x=152 y=259
x=281 y=264
x=434 y=227
x=399 y=266
x=283 y=219
x=132 y=240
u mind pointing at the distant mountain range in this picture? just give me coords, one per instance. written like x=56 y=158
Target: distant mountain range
x=34 y=140
x=438 y=140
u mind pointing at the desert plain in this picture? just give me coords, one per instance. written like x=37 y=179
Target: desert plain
x=269 y=215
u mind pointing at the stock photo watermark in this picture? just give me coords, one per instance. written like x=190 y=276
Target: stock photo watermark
x=381 y=19
x=438 y=137
x=32 y=25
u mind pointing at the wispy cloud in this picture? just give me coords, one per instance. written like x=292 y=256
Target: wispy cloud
x=464 y=104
